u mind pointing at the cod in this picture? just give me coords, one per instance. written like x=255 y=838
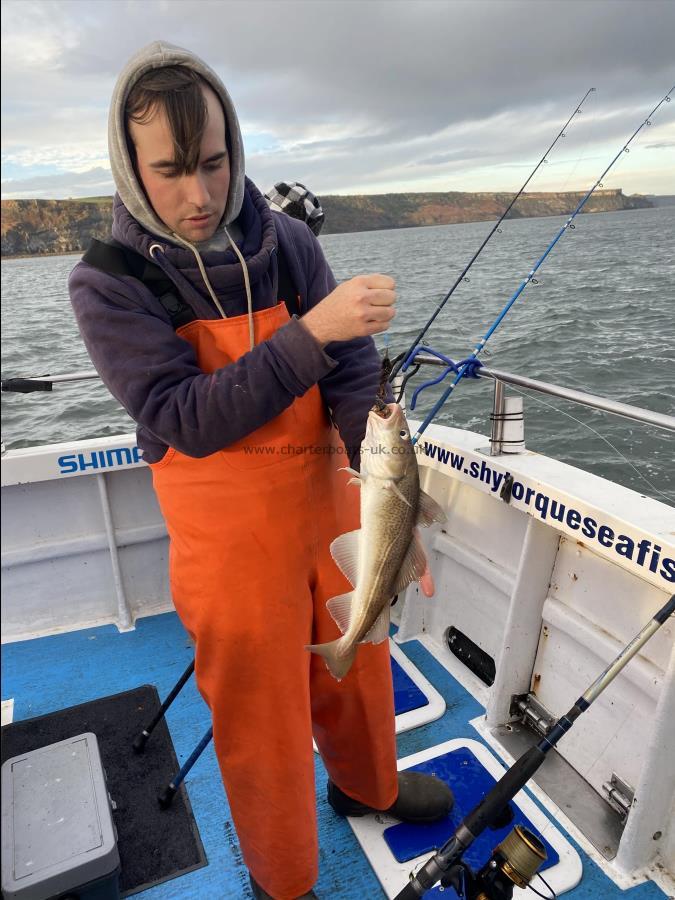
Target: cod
x=385 y=555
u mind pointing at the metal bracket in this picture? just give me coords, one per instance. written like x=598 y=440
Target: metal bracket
x=619 y=795
x=532 y=713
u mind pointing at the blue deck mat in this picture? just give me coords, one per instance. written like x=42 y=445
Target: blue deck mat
x=469 y=781
x=56 y=671
x=407 y=695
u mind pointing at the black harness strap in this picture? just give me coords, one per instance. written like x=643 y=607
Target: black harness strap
x=286 y=290
x=111 y=256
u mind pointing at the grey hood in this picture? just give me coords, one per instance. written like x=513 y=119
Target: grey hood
x=156 y=56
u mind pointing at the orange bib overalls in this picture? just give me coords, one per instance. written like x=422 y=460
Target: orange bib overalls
x=250 y=528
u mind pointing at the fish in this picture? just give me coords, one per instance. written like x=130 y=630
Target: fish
x=385 y=555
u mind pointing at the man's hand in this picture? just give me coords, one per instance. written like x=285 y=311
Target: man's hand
x=363 y=305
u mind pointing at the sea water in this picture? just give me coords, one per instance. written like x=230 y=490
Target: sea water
x=600 y=319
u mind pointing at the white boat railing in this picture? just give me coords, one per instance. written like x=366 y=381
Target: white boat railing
x=636 y=413
x=625 y=410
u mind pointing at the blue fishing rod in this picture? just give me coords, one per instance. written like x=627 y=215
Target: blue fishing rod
x=468 y=365
x=396 y=366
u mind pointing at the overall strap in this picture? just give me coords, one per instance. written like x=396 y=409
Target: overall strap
x=111 y=256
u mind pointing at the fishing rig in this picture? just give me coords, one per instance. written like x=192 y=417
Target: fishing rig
x=394 y=367
x=515 y=861
x=467 y=367
x=391 y=368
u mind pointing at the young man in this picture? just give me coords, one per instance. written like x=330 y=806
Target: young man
x=232 y=410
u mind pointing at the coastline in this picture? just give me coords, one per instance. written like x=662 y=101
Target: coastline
x=400 y=227
x=40 y=255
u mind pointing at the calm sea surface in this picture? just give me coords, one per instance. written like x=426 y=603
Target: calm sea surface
x=601 y=319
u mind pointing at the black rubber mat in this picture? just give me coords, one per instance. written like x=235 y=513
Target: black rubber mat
x=154 y=844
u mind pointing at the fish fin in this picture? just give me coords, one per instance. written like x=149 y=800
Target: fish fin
x=427 y=584
x=429 y=511
x=380 y=630
x=413 y=566
x=338 y=666
x=345 y=551
x=351 y=472
x=392 y=486
x=340 y=608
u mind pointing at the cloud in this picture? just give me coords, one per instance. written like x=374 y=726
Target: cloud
x=95 y=182
x=357 y=95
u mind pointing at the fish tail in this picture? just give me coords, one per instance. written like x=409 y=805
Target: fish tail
x=338 y=665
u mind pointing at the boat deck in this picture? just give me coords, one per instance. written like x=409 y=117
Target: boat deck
x=49 y=673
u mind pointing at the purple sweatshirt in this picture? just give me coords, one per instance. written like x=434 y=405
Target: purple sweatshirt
x=154 y=373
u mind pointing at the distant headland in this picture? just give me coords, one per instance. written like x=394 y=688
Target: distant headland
x=42 y=227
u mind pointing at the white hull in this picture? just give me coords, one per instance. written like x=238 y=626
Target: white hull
x=84 y=544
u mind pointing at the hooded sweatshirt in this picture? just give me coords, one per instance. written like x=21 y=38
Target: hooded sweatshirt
x=151 y=370
x=158 y=55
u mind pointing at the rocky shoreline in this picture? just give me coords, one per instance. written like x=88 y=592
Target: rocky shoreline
x=58 y=227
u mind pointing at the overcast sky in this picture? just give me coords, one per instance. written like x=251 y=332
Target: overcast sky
x=358 y=97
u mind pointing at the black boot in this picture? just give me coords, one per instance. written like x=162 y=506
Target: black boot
x=259 y=894
x=421 y=798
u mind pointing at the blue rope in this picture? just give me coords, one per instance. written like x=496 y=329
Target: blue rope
x=470 y=367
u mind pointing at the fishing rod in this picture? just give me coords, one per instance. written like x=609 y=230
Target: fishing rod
x=45 y=382
x=445 y=865
x=561 y=134
x=468 y=365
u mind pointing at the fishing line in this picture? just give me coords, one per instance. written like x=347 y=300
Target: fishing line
x=551 y=896
x=561 y=134
x=602 y=437
x=581 y=157
x=471 y=359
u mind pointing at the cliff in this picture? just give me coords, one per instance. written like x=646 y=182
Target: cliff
x=369 y=212
x=36 y=227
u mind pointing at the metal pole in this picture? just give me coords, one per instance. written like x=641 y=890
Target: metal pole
x=169 y=791
x=635 y=413
x=625 y=410
x=124 y=619
x=141 y=740
x=498 y=409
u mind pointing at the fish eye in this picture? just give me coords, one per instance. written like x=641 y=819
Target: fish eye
x=403 y=433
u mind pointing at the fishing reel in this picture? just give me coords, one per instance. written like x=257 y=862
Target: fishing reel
x=514 y=863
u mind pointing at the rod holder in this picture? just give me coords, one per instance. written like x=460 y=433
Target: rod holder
x=508 y=423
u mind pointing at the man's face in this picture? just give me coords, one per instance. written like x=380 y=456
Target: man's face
x=189 y=205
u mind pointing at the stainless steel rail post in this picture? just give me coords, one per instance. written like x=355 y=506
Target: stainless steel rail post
x=498 y=410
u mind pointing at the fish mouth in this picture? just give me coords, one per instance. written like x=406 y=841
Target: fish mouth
x=382 y=409
x=390 y=413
